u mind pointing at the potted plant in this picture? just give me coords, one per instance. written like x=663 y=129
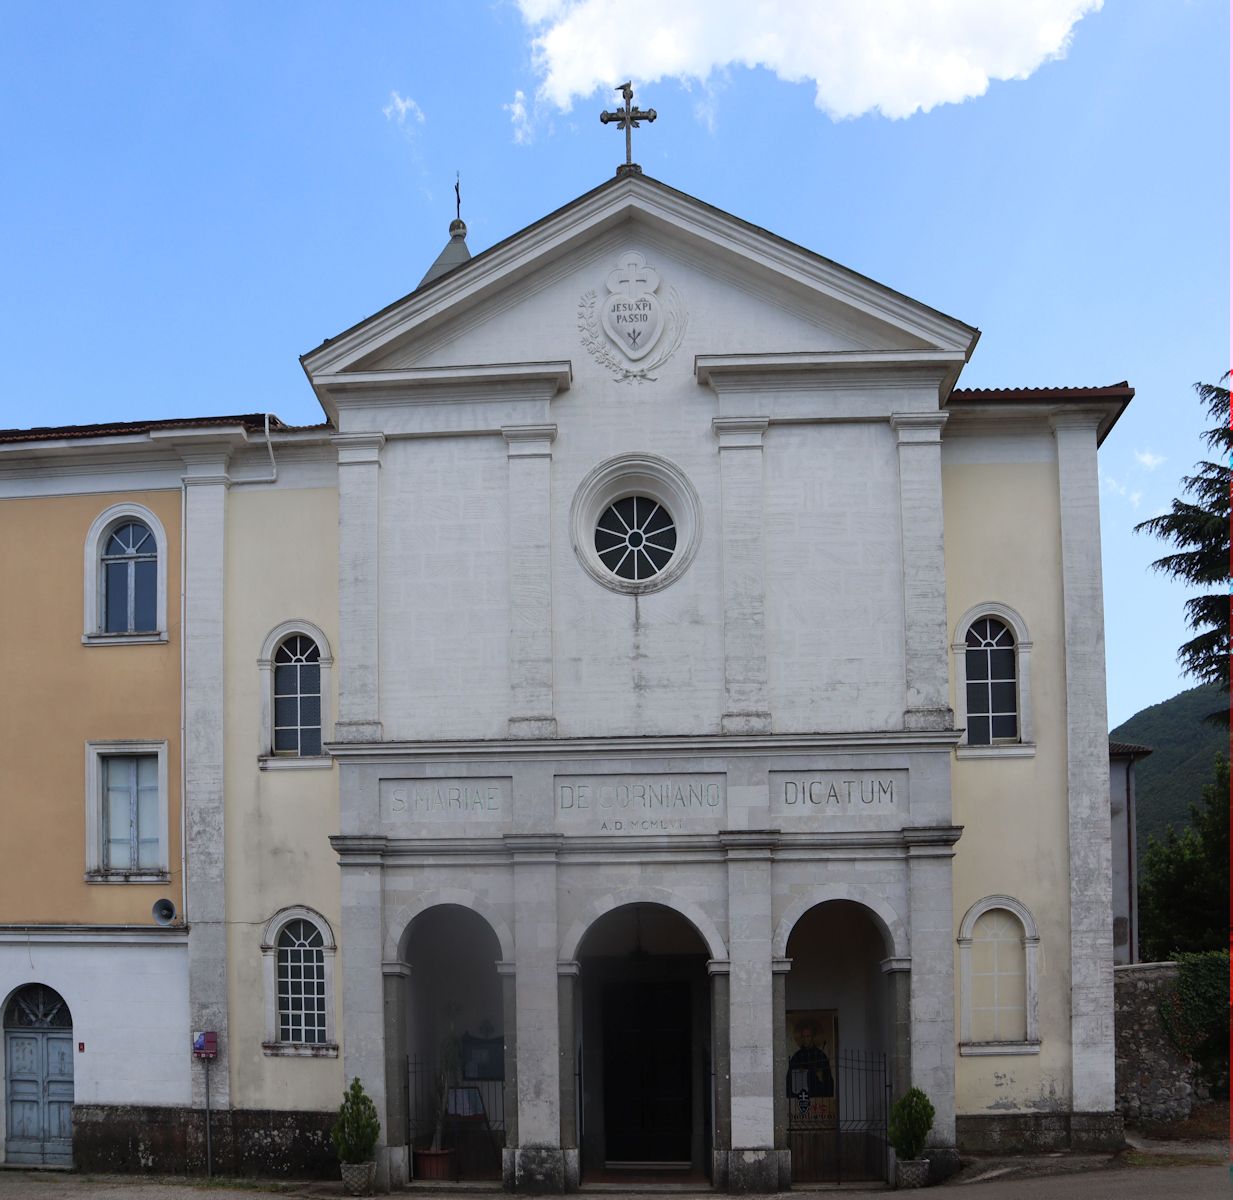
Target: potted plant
x=355 y=1136
x=911 y=1119
x=437 y=1161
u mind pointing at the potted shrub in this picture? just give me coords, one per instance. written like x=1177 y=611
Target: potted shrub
x=355 y=1136
x=437 y=1161
x=911 y=1119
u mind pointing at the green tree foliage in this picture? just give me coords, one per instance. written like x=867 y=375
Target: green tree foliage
x=1184 y=887
x=1199 y=528
x=1196 y=1014
x=356 y=1131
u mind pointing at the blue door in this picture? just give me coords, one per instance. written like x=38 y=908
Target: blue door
x=38 y=1078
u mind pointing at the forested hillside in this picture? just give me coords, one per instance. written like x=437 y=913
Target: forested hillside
x=1183 y=746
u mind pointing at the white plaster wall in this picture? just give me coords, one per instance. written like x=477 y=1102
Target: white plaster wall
x=444 y=615
x=625 y=665
x=129 y=1004
x=834 y=577
x=282 y=564
x=1014 y=810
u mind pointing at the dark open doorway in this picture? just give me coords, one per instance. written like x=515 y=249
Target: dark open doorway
x=645 y=1071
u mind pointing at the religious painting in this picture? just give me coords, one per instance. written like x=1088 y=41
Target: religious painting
x=812 y=1045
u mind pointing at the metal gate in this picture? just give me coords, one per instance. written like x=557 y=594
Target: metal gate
x=465 y=1117
x=38 y=1078
x=842 y=1138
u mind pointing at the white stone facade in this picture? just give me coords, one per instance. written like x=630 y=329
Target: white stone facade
x=734 y=794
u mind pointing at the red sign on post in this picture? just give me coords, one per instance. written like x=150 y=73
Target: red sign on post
x=205 y=1044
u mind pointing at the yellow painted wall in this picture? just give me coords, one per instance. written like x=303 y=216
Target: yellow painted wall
x=58 y=695
x=282 y=563
x=1014 y=810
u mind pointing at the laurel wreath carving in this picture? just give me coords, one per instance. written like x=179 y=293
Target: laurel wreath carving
x=596 y=341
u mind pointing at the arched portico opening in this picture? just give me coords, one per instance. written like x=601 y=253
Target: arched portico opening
x=838 y=1032
x=643 y=1047
x=38 y=1077
x=455 y=1078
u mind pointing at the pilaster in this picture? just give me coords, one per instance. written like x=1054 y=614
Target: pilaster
x=1087 y=766
x=529 y=449
x=205 y=539
x=539 y=1165
x=746 y=707
x=753 y=1161
x=926 y=679
x=359 y=512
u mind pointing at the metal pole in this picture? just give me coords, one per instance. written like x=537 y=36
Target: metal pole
x=209 y=1148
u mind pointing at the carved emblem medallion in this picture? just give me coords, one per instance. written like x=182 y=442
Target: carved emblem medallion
x=633 y=319
x=632 y=315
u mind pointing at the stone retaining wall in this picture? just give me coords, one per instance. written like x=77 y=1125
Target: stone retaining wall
x=1155 y=1081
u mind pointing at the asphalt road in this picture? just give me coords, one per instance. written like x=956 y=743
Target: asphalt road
x=1119 y=1183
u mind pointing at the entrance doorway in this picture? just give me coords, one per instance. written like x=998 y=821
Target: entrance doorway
x=837 y=1033
x=38 y=1077
x=456 y=1103
x=644 y=1048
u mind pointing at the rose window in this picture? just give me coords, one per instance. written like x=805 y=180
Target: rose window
x=635 y=538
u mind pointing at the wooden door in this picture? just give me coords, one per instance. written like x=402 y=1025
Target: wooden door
x=39 y=1096
x=647 y=1114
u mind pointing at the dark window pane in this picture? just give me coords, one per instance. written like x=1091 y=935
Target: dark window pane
x=978 y=731
x=115 y=584
x=286 y=711
x=284 y=739
x=659 y=520
x=625 y=510
x=285 y=681
x=1005 y=727
x=978 y=664
x=1004 y=698
x=146 y=597
x=310 y=709
x=310 y=741
x=310 y=679
x=1000 y=634
x=978 y=698
x=605 y=539
x=1001 y=664
x=660 y=558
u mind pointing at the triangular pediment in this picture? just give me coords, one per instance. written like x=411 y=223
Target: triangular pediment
x=726 y=286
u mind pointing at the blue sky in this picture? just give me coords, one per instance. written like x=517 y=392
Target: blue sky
x=195 y=194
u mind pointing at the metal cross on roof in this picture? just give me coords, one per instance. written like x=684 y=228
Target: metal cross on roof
x=627 y=118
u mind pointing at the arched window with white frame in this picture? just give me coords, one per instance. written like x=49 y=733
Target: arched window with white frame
x=998 y=946
x=294 y=674
x=298 y=954
x=125 y=577
x=993 y=699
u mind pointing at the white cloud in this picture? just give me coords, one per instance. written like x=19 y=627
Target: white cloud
x=896 y=57
x=1117 y=488
x=517 y=109
x=1147 y=459
x=400 y=107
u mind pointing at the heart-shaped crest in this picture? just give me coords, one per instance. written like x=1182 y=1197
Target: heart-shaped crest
x=632 y=316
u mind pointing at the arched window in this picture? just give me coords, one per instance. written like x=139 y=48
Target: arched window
x=997 y=964
x=125 y=577
x=992 y=693
x=299 y=974
x=295 y=668
x=297 y=697
x=992 y=697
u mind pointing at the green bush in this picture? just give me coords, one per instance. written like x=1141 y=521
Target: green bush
x=1196 y=1013
x=356 y=1131
x=911 y=1119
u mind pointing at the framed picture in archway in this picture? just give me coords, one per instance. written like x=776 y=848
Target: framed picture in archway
x=813 y=1035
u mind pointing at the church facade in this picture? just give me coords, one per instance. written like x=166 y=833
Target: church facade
x=654 y=721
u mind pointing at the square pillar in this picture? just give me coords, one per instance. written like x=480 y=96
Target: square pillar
x=538 y=1162
x=1087 y=768
x=926 y=670
x=753 y=1161
x=529 y=449
x=746 y=706
x=359 y=510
